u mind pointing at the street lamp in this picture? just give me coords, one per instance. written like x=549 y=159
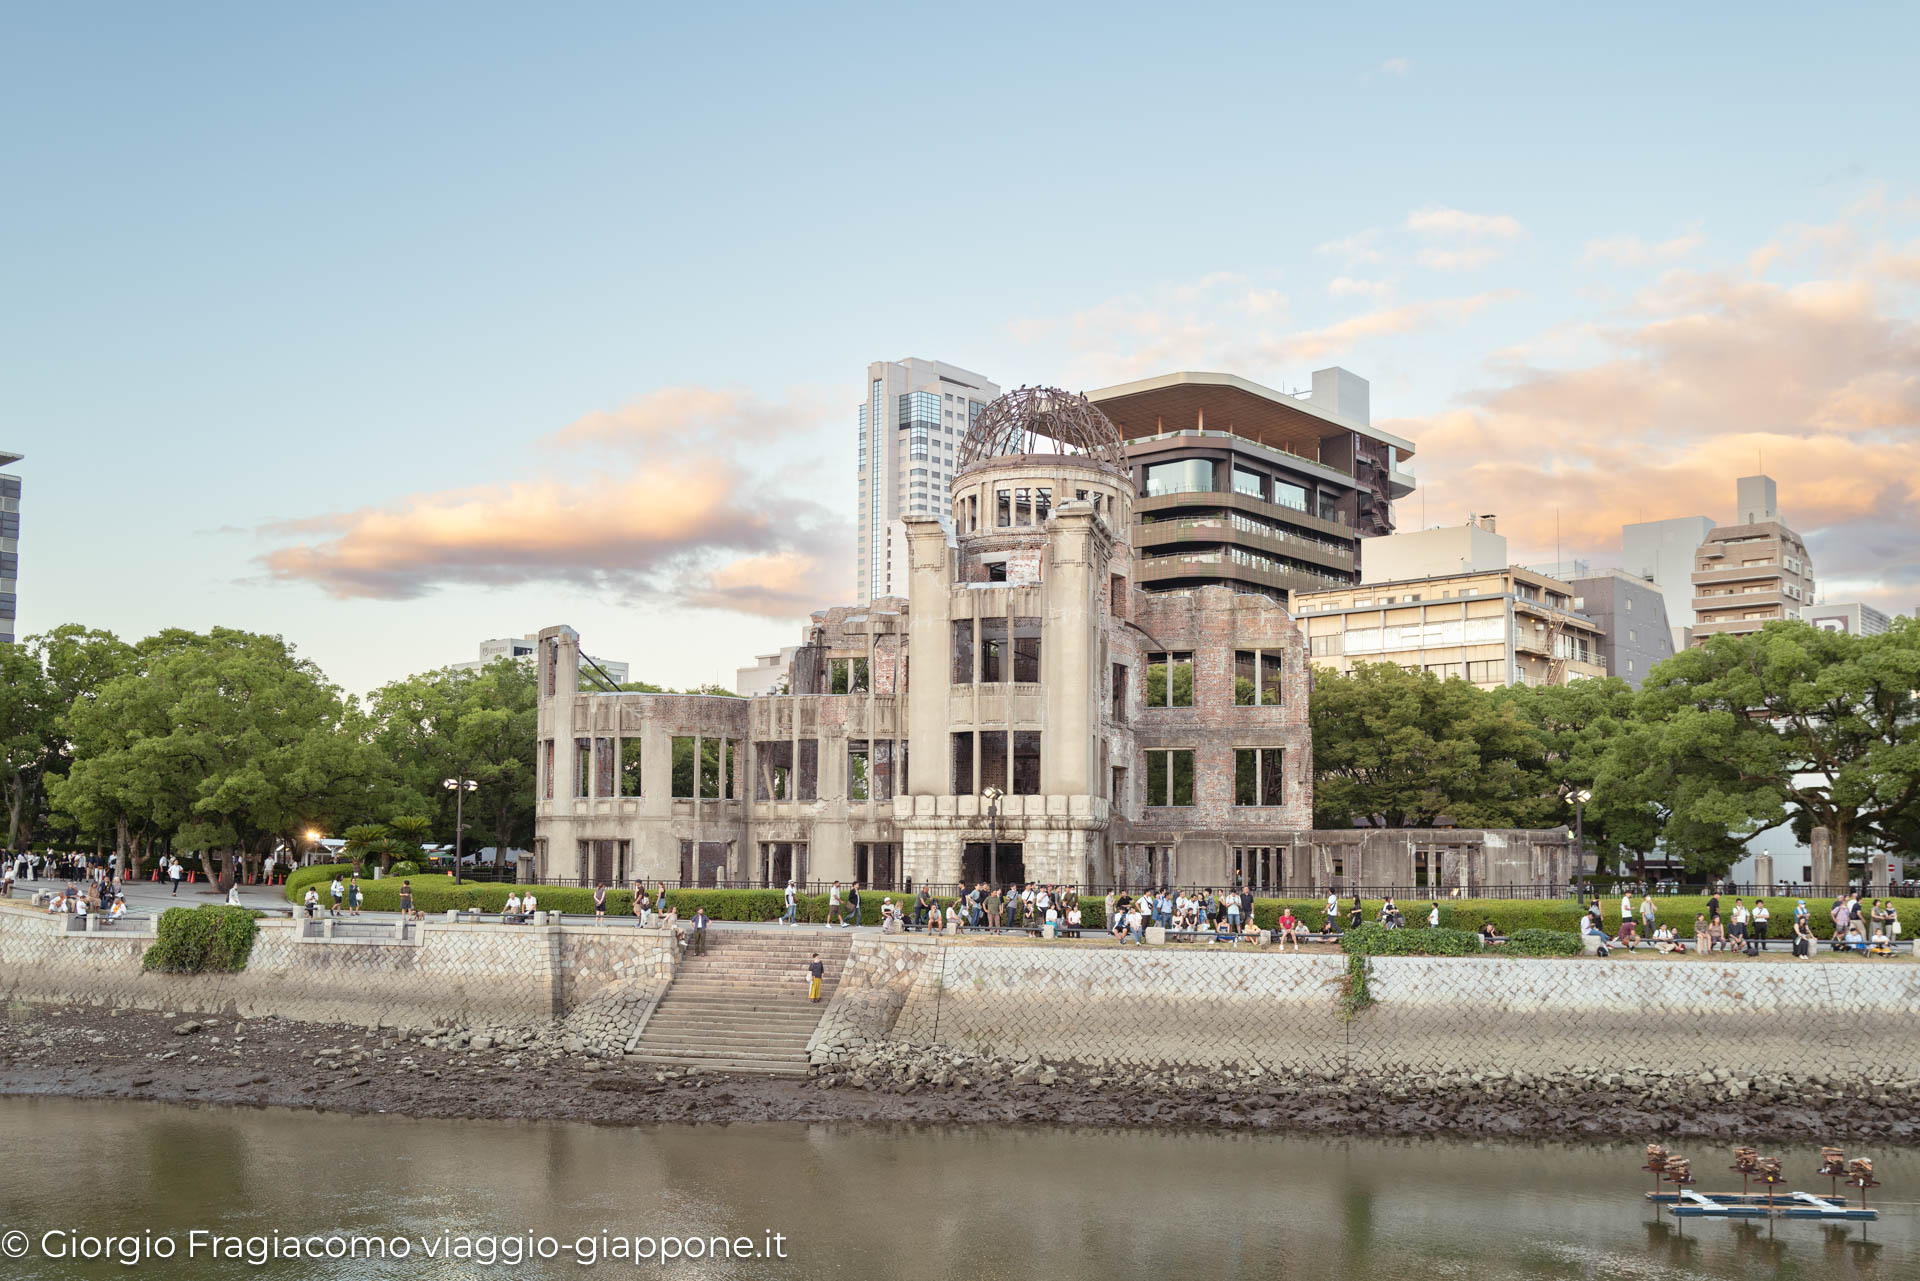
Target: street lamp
x=459 y=787
x=313 y=838
x=1579 y=796
x=992 y=797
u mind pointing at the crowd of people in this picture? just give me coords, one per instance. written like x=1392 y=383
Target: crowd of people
x=1873 y=928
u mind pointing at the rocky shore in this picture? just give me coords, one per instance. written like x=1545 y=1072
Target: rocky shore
x=573 y=1074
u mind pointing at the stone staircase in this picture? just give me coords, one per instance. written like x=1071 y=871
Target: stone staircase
x=743 y=1006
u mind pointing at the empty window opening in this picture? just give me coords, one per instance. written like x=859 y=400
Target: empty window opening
x=583 y=767
x=808 y=788
x=847 y=676
x=1259 y=776
x=716 y=768
x=1170 y=680
x=993 y=651
x=1170 y=776
x=1026 y=762
x=631 y=779
x=775 y=761
x=963 y=651
x=685 y=775
x=1026 y=650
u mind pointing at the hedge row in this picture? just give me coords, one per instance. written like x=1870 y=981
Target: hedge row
x=200 y=939
x=437 y=893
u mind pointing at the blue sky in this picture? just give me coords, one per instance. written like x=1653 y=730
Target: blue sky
x=389 y=330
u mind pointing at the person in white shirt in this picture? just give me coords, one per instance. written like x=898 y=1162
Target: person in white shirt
x=1626 y=906
x=1333 y=908
x=173 y=875
x=529 y=905
x=1073 y=921
x=312 y=901
x=1757 y=931
x=233 y=895
x=793 y=906
x=512 y=906
x=1433 y=917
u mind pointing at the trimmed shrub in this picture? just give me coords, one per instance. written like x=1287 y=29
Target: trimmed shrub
x=405 y=867
x=199 y=940
x=319 y=873
x=1378 y=940
x=1543 y=943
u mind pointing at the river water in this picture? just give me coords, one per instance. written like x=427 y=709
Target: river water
x=859 y=1202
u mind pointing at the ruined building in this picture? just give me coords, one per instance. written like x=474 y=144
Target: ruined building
x=1024 y=712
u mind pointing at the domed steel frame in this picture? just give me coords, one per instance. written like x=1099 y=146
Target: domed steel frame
x=1044 y=420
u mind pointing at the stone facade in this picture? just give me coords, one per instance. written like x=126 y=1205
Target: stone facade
x=440 y=975
x=1060 y=725
x=1226 y=1007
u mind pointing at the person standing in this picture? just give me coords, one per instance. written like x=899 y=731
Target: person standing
x=1647 y=914
x=600 y=901
x=833 y=906
x=792 y=914
x=1757 y=927
x=699 y=931
x=173 y=875
x=922 y=906
x=639 y=904
x=996 y=907
x=853 y=905
x=335 y=892
x=815 y=973
x=406 y=900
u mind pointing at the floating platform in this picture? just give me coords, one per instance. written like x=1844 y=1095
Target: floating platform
x=1755 y=1205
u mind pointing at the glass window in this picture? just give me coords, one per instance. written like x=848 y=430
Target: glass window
x=1248 y=482
x=1188 y=476
x=1170 y=680
x=1286 y=495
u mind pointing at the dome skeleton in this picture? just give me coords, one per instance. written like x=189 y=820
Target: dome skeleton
x=1043 y=420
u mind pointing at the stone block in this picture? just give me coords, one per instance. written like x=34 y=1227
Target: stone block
x=1156 y=934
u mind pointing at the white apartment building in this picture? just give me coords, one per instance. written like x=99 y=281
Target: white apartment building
x=1661 y=552
x=523 y=647
x=912 y=417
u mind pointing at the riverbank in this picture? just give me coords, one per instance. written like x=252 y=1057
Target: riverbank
x=93 y=1053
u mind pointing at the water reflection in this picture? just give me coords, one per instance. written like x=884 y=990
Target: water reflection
x=990 y=1201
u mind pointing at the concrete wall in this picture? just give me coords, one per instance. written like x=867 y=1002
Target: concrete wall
x=442 y=976
x=1213 y=1007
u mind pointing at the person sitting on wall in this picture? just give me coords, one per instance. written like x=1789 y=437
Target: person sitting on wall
x=1594 y=937
x=312 y=902
x=1250 y=932
x=1702 y=939
x=1856 y=941
x=1289 y=928
x=1802 y=937
x=1073 y=920
x=1666 y=941
x=510 y=911
x=1488 y=936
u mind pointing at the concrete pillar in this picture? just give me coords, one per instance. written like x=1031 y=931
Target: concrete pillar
x=1070 y=650
x=930 y=642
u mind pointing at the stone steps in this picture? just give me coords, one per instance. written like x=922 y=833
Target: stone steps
x=742 y=1006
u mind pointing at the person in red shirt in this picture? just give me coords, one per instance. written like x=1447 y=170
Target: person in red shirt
x=1289 y=929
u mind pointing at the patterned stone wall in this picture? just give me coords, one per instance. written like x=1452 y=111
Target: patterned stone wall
x=444 y=975
x=1140 y=1005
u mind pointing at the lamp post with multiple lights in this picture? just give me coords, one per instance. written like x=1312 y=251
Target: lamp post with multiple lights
x=459 y=787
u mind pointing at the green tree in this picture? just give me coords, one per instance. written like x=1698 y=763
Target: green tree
x=365 y=842
x=1570 y=727
x=1793 y=724
x=410 y=832
x=1405 y=749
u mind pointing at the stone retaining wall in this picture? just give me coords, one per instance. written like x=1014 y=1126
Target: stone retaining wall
x=1429 y=1014
x=443 y=975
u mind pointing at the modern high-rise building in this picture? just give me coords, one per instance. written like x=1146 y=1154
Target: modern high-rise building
x=9 y=546
x=1632 y=614
x=1849 y=616
x=1262 y=491
x=1748 y=574
x=912 y=418
x=1661 y=552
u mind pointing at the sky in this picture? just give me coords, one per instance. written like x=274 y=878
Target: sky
x=393 y=328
